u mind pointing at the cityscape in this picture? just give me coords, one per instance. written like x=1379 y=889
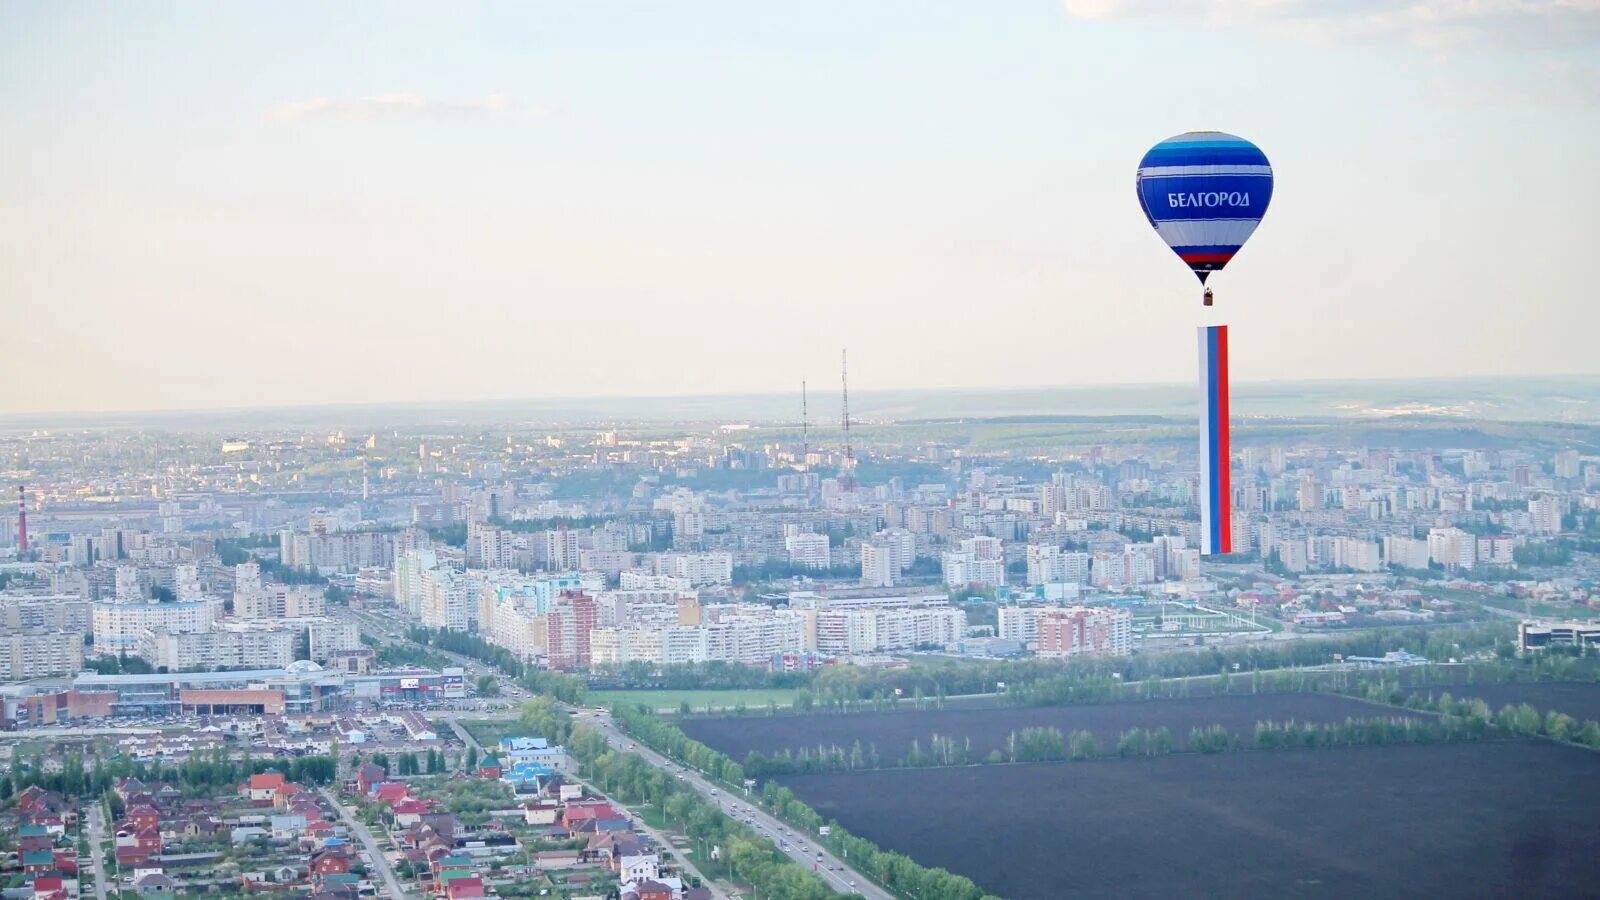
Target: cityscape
x=742 y=451
x=177 y=599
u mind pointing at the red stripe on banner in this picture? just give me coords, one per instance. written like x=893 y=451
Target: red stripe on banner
x=1224 y=509
x=1205 y=257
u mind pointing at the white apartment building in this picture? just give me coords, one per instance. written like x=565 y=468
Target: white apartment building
x=845 y=632
x=1545 y=513
x=809 y=550
x=447 y=602
x=518 y=628
x=36 y=653
x=121 y=626
x=1497 y=550
x=236 y=647
x=645 y=581
x=962 y=568
x=877 y=565
x=671 y=645
x=278 y=601
x=902 y=546
x=1135 y=565
x=1452 y=547
x=698 y=568
x=1049 y=564
x=1408 y=553
x=186 y=582
x=754 y=639
x=408 y=569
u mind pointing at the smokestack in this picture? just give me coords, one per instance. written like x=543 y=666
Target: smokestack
x=22 y=520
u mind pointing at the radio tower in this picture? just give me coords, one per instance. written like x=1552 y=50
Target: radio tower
x=847 y=470
x=22 y=520
x=805 y=428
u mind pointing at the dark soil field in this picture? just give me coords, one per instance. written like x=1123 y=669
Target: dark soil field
x=893 y=732
x=1503 y=819
x=1578 y=699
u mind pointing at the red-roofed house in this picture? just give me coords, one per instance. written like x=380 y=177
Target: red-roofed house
x=263 y=787
x=330 y=861
x=142 y=817
x=464 y=889
x=577 y=813
x=368 y=776
x=392 y=792
x=410 y=812
x=46 y=886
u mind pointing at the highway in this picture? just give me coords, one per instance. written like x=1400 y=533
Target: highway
x=831 y=869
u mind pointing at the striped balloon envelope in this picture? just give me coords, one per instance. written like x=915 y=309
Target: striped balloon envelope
x=1205 y=192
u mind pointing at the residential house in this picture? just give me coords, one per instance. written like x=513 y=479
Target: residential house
x=263 y=788
x=647 y=890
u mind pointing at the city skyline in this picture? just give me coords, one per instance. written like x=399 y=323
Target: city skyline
x=231 y=207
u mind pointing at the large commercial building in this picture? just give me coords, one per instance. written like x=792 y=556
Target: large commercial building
x=1538 y=635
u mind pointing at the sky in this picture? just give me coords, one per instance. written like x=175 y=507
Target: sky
x=241 y=204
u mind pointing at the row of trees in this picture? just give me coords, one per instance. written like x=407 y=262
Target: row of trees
x=896 y=871
x=1521 y=720
x=719 y=839
x=201 y=774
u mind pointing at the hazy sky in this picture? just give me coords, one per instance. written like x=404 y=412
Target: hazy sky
x=234 y=204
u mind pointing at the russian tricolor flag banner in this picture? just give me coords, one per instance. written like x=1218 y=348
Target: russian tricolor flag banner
x=1216 y=523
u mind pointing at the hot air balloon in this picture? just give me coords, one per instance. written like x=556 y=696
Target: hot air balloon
x=1205 y=192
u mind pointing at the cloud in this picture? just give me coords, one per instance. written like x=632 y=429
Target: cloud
x=1424 y=23
x=386 y=106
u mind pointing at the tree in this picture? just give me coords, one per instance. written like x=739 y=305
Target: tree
x=472 y=758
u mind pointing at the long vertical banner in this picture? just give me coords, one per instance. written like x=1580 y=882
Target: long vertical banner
x=1216 y=494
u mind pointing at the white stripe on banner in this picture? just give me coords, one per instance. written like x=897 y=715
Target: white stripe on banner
x=1206 y=418
x=1180 y=171
x=1206 y=232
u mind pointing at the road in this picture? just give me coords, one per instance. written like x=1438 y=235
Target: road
x=359 y=829
x=830 y=868
x=97 y=834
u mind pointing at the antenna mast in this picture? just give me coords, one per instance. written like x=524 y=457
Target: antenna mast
x=805 y=427
x=847 y=473
x=22 y=520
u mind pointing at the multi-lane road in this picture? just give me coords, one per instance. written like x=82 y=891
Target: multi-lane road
x=801 y=848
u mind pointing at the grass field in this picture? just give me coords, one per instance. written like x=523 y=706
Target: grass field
x=1500 y=819
x=699 y=701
